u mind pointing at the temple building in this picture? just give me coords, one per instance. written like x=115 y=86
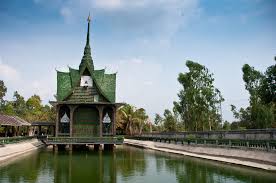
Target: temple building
x=85 y=100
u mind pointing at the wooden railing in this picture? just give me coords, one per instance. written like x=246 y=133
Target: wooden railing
x=83 y=140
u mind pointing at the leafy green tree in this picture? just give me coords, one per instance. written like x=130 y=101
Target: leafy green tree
x=131 y=120
x=34 y=103
x=142 y=118
x=19 y=105
x=169 y=121
x=199 y=100
x=268 y=85
x=3 y=91
x=261 y=112
x=34 y=109
x=158 y=122
x=226 y=125
x=8 y=108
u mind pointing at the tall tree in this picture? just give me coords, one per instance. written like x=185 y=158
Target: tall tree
x=3 y=90
x=199 y=100
x=19 y=105
x=261 y=112
x=169 y=121
x=158 y=122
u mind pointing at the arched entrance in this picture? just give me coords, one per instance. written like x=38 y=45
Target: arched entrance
x=107 y=121
x=86 y=122
x=64 y=120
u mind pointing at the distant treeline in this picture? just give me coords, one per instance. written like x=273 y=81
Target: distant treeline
x=199 y=102
x=30 y=110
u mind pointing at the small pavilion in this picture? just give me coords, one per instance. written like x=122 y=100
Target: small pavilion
x=85 y=100
x=13 y=126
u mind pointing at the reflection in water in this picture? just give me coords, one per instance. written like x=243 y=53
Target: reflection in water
x=125 y=164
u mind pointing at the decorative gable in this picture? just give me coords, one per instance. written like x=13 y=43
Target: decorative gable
x=65 y=119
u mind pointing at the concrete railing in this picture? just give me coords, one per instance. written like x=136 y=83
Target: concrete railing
x=253 y=134
x=259 y=139
x=12 y=140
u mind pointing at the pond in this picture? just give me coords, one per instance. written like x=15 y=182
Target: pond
x=124 y=164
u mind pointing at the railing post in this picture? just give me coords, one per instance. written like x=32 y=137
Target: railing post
x=267 y=146
x=114 y=121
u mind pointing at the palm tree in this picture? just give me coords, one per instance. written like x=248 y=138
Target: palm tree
x=131 y=119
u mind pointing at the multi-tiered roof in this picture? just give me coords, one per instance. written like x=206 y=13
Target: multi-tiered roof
x=68 y=83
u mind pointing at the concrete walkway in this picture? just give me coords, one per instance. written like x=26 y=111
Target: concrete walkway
x=11 y=151
x=178 y=149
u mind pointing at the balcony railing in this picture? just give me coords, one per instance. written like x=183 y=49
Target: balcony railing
x=83 y=140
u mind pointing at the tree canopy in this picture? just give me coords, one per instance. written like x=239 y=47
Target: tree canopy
x=132 y=120
x=30 y=110
x=199 y=100
x=261 y=112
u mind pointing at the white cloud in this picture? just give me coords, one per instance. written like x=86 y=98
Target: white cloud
x=67 y=14
x=43 y=87
x=15 y=81
x=143 y=83
x=143 y=17
x=109 y=4
x=8 y=73
x=136 y=61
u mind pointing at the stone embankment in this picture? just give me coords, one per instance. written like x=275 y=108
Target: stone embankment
x=251 y=158
x=10 y=151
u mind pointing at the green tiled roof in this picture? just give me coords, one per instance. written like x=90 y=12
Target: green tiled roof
x=68 y=86
x=68 y=83
x=75 y=76
x=81 y=94
x=64 y=85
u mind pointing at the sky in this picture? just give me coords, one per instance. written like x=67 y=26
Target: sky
x=147 y=43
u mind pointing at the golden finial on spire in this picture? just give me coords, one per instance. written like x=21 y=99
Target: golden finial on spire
x=89 y=18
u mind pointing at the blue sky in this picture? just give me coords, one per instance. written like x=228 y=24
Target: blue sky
x=147 y=42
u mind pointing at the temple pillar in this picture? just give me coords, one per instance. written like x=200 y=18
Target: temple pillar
x=72 y=110
x=39 y=130
x=57 y=120
x=71 y=121
x=100 y=109
x=114 y=121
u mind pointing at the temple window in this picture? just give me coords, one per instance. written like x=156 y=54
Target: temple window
x=86 y=81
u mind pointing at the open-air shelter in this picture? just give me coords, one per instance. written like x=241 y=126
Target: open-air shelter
x=43 y=128
x=13 y=126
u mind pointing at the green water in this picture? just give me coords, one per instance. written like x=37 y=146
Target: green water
x=125 y=164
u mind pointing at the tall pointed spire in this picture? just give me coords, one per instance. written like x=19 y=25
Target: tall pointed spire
x=87 y=60
x=88 y=29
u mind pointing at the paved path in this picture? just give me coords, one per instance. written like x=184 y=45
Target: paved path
x=11 y=151
x=171 y=149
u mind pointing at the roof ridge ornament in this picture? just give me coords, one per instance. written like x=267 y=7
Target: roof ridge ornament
x=89 y=18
